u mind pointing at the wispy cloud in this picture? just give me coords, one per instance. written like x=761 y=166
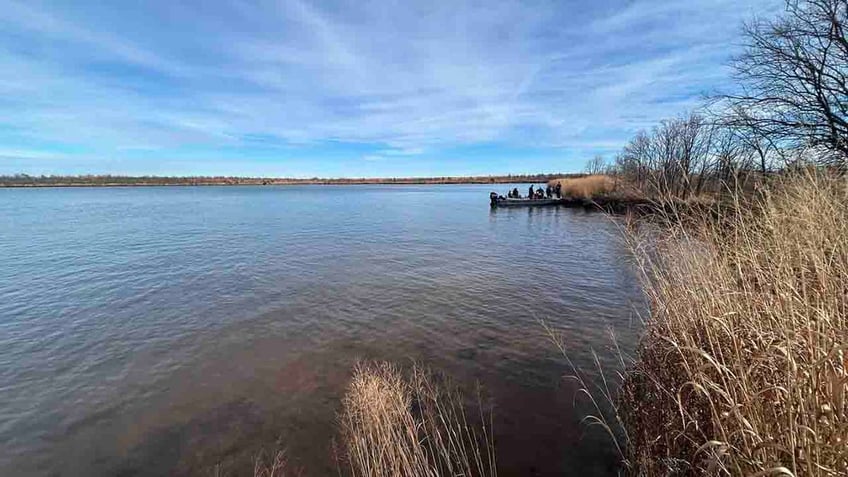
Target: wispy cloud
x=395 y=79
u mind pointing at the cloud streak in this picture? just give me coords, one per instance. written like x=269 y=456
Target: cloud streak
x=397 y=79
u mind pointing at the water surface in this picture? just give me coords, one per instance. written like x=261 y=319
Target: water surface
x=148 y=331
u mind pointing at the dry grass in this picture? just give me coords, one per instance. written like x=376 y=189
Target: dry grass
x=264 y=465
x=415 y=427
x=744 y=366
x=587 y=187
x=276 y=466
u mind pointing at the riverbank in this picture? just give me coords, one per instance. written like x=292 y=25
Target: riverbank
x=616 y=195
x=23 y=180
x=743 y=368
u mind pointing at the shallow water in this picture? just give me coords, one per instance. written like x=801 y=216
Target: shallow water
x=146 y=331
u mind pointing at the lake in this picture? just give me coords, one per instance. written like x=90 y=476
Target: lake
x=170 y=330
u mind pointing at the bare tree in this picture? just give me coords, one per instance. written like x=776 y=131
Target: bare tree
x=744 y=129
x=794 y=80
x=634 y=161
x=596 y=165
x=790 y=109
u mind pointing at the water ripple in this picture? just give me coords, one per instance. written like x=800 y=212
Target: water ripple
x=136 y=318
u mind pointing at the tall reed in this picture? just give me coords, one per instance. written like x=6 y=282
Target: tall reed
x=585 y=187
x=275 y=466
x=394 y=426
x=743 y=368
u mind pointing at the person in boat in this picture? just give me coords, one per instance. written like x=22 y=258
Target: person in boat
x=548 y=191
x=530 y=192
x=558 y=190
x=515 y=194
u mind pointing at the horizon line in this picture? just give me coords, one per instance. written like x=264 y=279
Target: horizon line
x=29 y=181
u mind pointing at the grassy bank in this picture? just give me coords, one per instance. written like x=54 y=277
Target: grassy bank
x=588 y=187
x=743 y=369
x=614 y=194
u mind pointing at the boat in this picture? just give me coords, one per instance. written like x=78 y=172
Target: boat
x=609 y=204
x=500 y=201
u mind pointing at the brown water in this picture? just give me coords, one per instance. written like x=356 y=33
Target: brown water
x=150 y=331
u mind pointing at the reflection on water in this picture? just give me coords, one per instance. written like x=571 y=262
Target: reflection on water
x=166 y=330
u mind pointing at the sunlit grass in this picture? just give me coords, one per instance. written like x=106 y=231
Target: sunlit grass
x=586 y=187
x=743 y=369
x=410 y=426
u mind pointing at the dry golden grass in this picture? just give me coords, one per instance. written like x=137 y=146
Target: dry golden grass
x=744 y=366
x=587 y=187
x=415 y=427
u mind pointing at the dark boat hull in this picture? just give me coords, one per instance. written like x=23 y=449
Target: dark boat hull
x=528 y=202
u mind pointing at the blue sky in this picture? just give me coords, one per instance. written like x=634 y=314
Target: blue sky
x=350 y=88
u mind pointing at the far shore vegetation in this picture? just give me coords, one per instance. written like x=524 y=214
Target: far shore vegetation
x=26 y=180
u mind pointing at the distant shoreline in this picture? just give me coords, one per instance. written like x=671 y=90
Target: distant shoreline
x=24 y=181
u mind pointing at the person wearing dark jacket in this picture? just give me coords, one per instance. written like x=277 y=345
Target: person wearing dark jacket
x=558 y=190
x=530 y=193
x=548 y=191
x=515 y=194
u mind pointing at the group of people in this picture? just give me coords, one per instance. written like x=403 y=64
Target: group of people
x=538 y=193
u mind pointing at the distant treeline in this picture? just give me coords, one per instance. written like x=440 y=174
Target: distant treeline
x=25 y=180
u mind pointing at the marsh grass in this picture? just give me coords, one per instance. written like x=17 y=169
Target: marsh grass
x=743 y=367
x=274 y=465
x=411 y=425
x=598 y=390
x=586 y=187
